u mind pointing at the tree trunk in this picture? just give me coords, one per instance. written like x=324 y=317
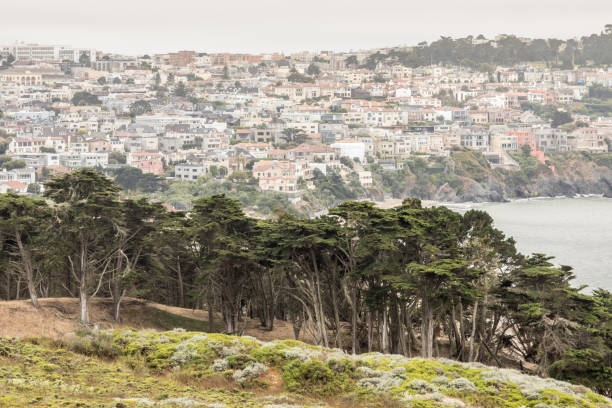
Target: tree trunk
x=296 y=322
x=268 y=300
x=83 y=281
x=181 y=288
x=320 y=309
x=385 y=331
x=350 y=293
x=18 y=289
x=370 y=331
x=436 y=344
x=411 y=337
x=354 y=321
x=456 y=334
x=84 y=304
x=461 y=332
x=401 y=333
x=211 y=311
x=117 y=308
x=26 y=260
x=229 y=328
x=426 y=329
x=473 y=334
x=336 y=317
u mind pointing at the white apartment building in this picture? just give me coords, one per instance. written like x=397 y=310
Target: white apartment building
x=190 y=171
x=49 y=53
x=78 y=160
x=25 y=175
x=352 y=149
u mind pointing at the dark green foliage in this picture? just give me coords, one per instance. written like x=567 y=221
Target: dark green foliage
x=140 y=107
x=313 y=70
x=14 y=164
x=84 y=59
x=133 y=179
x=181 y=90
x=600 y=92
x=116 y=158
x=169 y=321
x=85 y=98
x=239 y=361
x=347 y=161
x=313 y=378
x=560 y=118
x=586 y=366
x=331 y=188
x=4 y=144
x=181 y=194
x=297 y=77
x=507 y=51
x=360 y=278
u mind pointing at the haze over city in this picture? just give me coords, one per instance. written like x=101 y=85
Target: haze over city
x=327 y=203
x=139 y=26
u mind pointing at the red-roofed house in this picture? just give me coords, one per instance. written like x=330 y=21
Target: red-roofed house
x=13 y=186
x=312 y=152
x=276 y=175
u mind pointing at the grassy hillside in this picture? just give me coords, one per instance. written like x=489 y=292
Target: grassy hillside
x=58 y=316
x=127 y=368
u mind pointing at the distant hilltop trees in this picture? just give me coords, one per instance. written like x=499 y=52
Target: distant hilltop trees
x=483 y=54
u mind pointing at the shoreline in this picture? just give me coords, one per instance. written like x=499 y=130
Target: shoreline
x=394 y=202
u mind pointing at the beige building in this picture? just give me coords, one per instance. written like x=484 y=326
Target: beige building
x=588 y=139
x=21 y=77
x=365 y=178
x=276 y=175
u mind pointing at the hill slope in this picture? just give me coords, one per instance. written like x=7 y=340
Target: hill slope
x=466 y=176
x=126 y=368
x=58 y=316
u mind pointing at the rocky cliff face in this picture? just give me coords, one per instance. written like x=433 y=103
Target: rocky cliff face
x=570 y=177
x=466 y=176
x=493 y=190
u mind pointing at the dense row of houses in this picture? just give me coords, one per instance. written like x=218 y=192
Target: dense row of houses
x=243 y=113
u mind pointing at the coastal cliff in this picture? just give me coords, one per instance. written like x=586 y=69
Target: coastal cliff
x=466 y=176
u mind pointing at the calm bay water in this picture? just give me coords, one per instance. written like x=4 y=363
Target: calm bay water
x=576 y=231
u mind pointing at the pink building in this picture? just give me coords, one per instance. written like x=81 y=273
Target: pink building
x=524 y=138
x=147 y=162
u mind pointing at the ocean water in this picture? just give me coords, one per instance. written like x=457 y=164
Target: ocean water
x=576 y=231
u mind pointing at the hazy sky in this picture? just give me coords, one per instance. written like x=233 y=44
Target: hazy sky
x=149 y=26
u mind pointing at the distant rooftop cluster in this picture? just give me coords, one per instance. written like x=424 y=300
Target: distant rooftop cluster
x=282 y=118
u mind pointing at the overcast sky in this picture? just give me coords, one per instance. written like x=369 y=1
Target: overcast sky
x=150 y=26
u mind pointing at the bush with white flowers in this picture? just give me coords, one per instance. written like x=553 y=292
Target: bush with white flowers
x=220 y=365
x=380 y=380
x=462 y=384
x=250 y=372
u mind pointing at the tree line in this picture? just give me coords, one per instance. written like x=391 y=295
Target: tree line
x=407 y=280
x=508 y=50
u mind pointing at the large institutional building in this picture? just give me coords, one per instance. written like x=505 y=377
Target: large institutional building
x=47 y=53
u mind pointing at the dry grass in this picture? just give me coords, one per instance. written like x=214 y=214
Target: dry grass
x=58 y=316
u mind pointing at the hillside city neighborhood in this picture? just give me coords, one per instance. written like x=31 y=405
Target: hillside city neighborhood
x=277 y=118
x=266 y=204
